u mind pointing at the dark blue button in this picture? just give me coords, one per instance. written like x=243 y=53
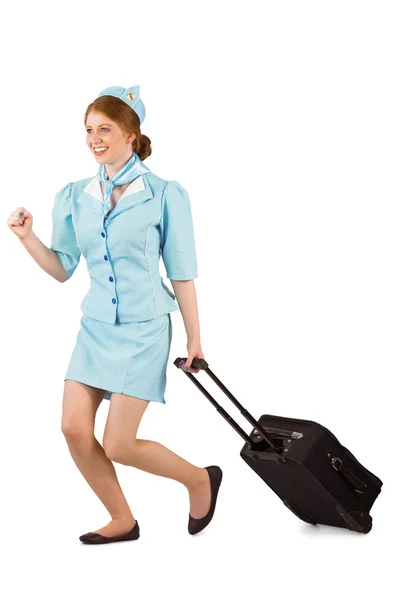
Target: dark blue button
x=103 y=234
x=113 y=300
x=105 y=257
x=111 y=278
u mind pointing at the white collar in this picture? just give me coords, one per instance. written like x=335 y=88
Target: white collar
x=94 y=188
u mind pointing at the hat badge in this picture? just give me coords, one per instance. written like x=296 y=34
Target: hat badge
x=130 y=96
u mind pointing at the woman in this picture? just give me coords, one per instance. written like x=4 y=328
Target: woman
x=122 y=221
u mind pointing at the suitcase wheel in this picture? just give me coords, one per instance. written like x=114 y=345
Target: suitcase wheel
x=356 y=520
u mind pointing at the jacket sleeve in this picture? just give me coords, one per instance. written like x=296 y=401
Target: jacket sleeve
x=63 y=238
x=177 y=234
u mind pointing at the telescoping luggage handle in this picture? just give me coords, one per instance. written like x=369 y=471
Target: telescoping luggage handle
x=200 y=363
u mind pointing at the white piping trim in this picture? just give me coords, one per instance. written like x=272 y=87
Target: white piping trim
x=162 y=216
x=148 y=265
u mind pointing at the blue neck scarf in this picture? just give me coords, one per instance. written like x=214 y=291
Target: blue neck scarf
x=130 y=171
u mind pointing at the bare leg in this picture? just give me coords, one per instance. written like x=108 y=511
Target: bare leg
x=80 y=404
x=122 y=446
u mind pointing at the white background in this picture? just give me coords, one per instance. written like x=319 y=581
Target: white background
x=281 y=119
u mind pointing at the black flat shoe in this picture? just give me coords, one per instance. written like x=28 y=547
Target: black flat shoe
x=197 y=525
x=97 y=538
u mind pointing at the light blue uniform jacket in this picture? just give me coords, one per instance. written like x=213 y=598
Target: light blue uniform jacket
x=122 y=251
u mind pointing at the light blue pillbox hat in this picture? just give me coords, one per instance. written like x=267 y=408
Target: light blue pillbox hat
x=130 y=95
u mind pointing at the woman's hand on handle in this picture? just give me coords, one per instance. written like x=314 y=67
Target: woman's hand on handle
x=194 y=351
x=20 y=222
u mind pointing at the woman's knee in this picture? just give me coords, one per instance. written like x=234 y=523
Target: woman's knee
x=80 y=403
x=119 y=450
x=75 y=432
x=124 y=416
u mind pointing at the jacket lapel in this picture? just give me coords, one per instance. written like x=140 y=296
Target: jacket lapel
x=138 y=191
x=91 y=196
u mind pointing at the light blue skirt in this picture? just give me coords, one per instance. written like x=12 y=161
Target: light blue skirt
x=127 y=358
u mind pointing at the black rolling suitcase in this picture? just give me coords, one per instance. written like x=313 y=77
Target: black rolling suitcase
x=316 y=477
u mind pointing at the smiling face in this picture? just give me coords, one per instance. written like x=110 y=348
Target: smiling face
x=106 y=140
